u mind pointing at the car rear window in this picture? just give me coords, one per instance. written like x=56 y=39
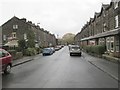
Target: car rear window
x=46 y=49
x=75 y=47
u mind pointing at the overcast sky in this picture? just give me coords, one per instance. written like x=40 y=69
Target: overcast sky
x=57 y=16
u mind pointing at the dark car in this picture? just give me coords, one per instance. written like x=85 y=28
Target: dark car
x=5 y=61
x=74 y=50
x=47 y=51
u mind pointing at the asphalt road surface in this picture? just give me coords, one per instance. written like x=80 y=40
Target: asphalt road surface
x=59 y=70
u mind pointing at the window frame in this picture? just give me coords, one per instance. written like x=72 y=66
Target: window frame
x=115 y=5
x=116 y=21
x=15 y=26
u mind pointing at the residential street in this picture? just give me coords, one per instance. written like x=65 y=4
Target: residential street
x=60 y=70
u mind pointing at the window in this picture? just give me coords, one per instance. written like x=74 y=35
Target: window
x=115 y=4
x=117 y=48
x=116 y=21
x=110 y=44
x=104 y=29
x=4 y=53
x=4 y=37
x=25 y=36
x=103 y=13
x=117 y=44
x=15 y=26
x=14 y=35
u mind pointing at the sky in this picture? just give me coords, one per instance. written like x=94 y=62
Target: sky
x=57 y=16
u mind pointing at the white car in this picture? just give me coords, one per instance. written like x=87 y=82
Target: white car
x=74 y=50
x=53 y=49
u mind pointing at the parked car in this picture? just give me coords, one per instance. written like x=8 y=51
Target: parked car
x=47 y=51
x=53 y=49
x=6 y=61
x=74 y=50
x=57 y=48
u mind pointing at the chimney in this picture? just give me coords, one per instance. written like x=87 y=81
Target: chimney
x=23 y=19
x=29 y=22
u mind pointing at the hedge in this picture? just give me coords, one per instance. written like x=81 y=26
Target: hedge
x=12 y=52
x=19 y=55
x=97 y=49
x=15 y=54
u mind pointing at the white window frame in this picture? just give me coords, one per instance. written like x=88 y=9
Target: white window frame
x=15 y=26
x=108 y=43
x=25 y=36
x=14 y=35
x=104 y=28
x=116 y=21
x=115 y=5
x=4 y=37
x=112 y=41
x=117 y=48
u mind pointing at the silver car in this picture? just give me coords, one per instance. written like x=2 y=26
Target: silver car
x=74 y=50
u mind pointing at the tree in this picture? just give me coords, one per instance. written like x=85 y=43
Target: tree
x=68 y=38
x=31 y=39
x=21 y=45
x=30 y=43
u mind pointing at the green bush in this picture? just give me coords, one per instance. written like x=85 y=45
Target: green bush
x=19 y=55
x=38 y=50
x=12 y=52
x=101 y=49
x=97 y=49
x=15 y=54
x=30 y=51
x=21 y=45
x=88 y=49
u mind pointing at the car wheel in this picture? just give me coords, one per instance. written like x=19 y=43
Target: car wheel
x=70 y=54
x=7 y=69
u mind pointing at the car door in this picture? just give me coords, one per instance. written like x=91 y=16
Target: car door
x=6 y=57
x=0 y=61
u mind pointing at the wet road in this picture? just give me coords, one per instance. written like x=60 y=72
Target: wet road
x=58 y=71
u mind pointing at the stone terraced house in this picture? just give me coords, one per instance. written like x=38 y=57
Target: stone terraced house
x=103 y=29
x=17 y=29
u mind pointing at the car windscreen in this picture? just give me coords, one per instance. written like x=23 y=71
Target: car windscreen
x=75 y=47
x=46 y=49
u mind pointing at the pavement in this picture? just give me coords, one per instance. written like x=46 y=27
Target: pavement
x=109 y=67
x=23 y=60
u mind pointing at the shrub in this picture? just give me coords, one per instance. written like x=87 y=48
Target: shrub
x=101 y=49
x=88 y=49
x=15 y=54
x=38 y=50
x=30 y=51
x=12 y=52
x=97 y=49
x=21 y=45
x=19 y=55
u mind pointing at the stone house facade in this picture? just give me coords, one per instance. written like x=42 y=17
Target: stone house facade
x=17 y=29
x=103 y=29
